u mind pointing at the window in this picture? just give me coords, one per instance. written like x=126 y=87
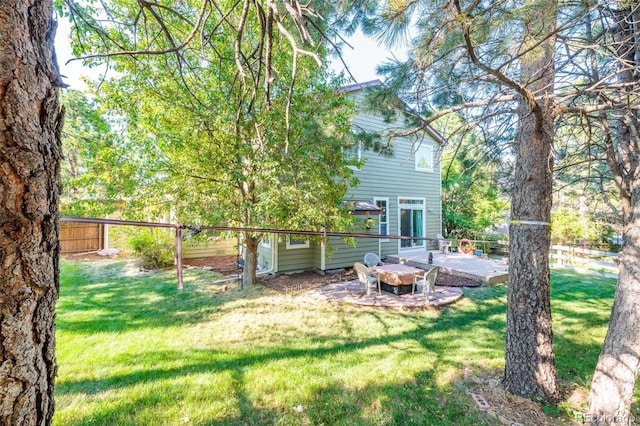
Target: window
x=266 y=242
x=424 y=159
x=412 y=221
x=353 y=155
x=296 y=243
x=382 y=204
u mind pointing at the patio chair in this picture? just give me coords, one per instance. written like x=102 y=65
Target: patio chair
x=427 y=284
x=371 y=259
x=366 y=277
x=443 y=245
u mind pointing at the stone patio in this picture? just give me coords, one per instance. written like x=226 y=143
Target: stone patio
x=355 y=293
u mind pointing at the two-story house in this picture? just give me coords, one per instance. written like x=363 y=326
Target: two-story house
x=401 y=193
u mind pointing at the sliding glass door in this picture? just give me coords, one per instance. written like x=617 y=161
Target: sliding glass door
x=411 y=221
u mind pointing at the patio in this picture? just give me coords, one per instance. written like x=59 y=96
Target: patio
x=486 y=271
x=353 y=292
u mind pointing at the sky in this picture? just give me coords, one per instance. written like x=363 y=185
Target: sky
x=362 y=59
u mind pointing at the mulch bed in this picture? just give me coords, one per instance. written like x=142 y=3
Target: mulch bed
x=303 y=281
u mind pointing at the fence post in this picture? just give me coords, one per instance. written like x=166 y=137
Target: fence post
x=179 y=256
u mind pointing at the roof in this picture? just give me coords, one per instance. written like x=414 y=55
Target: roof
x=363 y=208
x=377 y=83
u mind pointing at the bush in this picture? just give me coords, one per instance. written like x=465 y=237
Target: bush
x=154 y=247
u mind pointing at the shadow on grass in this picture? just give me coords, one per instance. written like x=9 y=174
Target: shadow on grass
x=457 y=336
x=416 y=401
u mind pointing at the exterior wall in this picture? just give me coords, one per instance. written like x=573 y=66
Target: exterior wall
x=396 y=177
x=217 y=247
x=341 y=255
x=295 y=259
x=389 y=178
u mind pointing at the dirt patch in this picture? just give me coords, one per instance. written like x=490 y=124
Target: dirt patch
x=486 y=393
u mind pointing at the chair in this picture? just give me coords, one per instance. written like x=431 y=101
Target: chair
x=426 y=284
x=443 y=245
x=371 y=259
x=365 y=277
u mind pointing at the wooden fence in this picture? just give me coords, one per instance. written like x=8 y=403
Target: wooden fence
x=585 y=260
x=78 y=238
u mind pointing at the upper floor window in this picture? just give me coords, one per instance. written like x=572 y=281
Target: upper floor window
x=424 y=158
x=353 y=154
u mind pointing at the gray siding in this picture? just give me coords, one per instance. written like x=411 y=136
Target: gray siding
x=380 y=177
x=341 y=255
x=396 y=177
x=217 y=247
x=298 y=259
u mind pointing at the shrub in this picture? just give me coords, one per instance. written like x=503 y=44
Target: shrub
x=154 y=247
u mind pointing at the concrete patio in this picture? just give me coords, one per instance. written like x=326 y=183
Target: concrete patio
x=487 y=271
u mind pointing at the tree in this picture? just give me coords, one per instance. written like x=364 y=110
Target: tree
x=617 y=81
x=530 y=361
x=236 y=126
x=493 y=62
x=472 y=201
x=91 y=153
x=30 y=124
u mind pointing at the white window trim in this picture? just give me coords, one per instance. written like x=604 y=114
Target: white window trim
x=426 y=150
x=267 y=243
x=424 y=221
x=380 y=222
x=358 y=149
x=296 y=246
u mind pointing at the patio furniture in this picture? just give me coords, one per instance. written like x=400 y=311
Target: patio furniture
x=426 y=285
x=366 y=277
x=396 y=278
x=444 y=246
x=371 y=260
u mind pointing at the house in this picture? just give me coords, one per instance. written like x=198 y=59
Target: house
x=401 y=193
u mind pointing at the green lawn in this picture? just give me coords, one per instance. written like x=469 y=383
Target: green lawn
x=132 y=350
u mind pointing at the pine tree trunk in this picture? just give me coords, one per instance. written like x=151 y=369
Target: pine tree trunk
x=529 y=353
x=30 y=122
x=614 y=380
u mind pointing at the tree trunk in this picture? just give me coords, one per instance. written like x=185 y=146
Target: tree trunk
x=529 y=353
x=614 y=380
x=30 y=123
x=250 y=260
x=616 y=373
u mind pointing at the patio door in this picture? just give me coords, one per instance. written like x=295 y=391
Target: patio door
x=412 y=216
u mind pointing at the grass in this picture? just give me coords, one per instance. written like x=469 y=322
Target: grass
x=132 y=350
